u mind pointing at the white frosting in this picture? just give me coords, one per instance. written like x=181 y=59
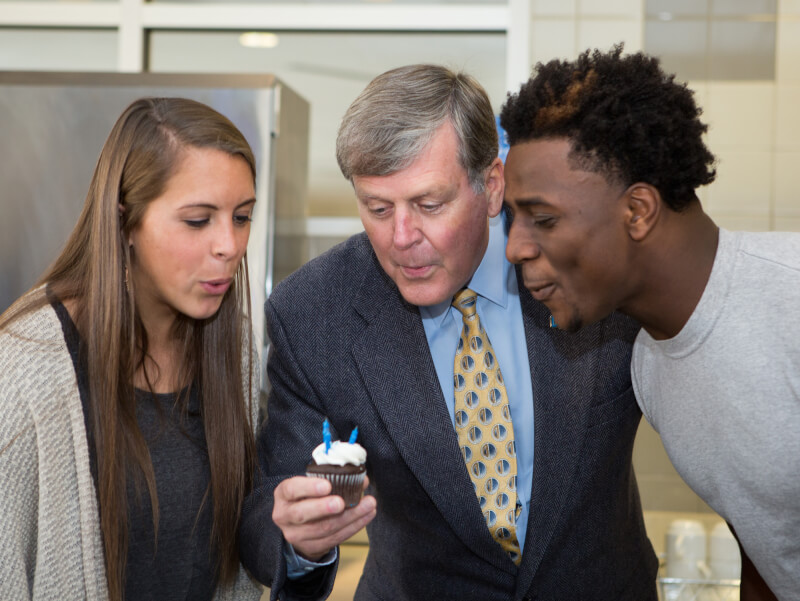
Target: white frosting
x=340 y=453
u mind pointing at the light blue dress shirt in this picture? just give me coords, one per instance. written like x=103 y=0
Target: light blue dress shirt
x=495 y=282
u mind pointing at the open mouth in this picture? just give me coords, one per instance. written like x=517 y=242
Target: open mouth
x=541 y=291
x=217 y=286
x=412 y=272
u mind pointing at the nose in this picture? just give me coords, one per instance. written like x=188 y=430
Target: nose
x=520 y=247
x=406 y=228
x=225 y=243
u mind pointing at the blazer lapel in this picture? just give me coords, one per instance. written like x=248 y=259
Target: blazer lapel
x=394 y=360
x=562 y=378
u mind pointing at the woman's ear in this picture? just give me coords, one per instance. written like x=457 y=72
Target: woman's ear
x=122 y=212
x=642 y=211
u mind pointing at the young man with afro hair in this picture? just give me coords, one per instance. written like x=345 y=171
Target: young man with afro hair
x=606 y=154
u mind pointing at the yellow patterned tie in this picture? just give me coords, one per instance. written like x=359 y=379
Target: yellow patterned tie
x=483 y=425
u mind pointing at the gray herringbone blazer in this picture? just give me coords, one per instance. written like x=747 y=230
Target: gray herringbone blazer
x=346 y=346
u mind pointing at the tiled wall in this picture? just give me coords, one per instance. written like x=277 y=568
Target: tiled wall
x=562 y=28
x=786 y=150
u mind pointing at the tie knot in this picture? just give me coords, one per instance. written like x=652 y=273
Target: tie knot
x=465 y=301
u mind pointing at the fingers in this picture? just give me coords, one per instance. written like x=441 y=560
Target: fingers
x=356 y=518
x=301 y=500
x=302 y=487
x=312 y=520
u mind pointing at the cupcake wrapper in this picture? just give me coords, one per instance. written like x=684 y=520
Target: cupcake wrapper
x=348 y=486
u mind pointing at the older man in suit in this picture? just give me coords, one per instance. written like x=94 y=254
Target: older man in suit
x=484 y=485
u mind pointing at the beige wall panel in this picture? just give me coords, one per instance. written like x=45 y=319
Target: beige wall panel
x=615 y=8
x=740 y=115
x=743 y=185
x=553 y=38
x=787 y=185
x=787 y=68
x=604 y=33
x=558 y=8
x=787 y=117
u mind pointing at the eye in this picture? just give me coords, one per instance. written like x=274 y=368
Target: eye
x=430 y=207
x=545 y=222
x=378 y=210
x=242 y=219
x=196 y=223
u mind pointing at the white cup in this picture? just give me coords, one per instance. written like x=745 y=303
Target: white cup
x=686 y=550
x=724 y=557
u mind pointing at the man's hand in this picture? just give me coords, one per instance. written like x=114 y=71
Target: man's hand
x=312 y=520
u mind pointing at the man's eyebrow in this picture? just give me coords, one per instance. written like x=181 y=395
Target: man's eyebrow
x=530 y=202
x=439 y=192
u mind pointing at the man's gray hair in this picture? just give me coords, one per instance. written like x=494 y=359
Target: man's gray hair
x=397 y=114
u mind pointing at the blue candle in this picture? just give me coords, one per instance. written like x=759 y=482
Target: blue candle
x=353 y=435
x=326 y=434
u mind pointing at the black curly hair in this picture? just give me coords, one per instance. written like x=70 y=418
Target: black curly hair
x=626 y=119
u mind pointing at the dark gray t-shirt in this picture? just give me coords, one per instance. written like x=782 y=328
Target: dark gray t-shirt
x=181 y=566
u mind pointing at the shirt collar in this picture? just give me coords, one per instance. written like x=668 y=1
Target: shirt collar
x=489 y=279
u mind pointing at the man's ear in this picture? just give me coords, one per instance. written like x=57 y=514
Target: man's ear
x=643 y=208
x=495 y=187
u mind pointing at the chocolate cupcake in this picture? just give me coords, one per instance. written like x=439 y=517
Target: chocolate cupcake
x=343 y=465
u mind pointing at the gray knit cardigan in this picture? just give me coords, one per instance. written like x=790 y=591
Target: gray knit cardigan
x=50 y=541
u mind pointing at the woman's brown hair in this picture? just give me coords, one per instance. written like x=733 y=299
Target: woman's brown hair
x=141 y=153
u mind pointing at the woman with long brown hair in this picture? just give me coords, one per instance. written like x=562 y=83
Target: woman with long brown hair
x=128 y=379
